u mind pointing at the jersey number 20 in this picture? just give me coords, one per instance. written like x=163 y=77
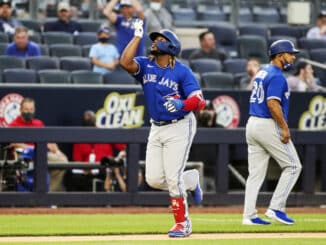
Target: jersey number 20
x=257 y=94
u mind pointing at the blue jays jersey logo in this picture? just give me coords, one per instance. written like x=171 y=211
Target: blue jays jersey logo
x=149 y=78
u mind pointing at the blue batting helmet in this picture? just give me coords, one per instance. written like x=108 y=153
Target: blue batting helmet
x=172 y=46
x=282 y=46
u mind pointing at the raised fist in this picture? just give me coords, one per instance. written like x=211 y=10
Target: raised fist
x=138 y=26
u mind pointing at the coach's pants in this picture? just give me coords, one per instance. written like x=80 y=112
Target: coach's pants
x=263 y=139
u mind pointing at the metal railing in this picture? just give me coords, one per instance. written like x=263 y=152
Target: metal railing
x=134 y=137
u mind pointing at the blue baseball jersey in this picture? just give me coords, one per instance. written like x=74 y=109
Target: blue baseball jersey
x=125 y=32
x=161 y=84
x=269 y=83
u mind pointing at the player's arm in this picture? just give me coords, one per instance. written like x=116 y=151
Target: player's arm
x=277 y=114
x=194 y=102
x=127 y=58
x=108 y=11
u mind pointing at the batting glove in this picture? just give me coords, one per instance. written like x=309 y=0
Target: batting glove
x=138 y=26
x=173 y=105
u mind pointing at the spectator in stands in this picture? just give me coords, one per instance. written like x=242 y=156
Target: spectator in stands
x=7 y=22
x=26 y=119
x=253 y=66
x=303 y=79
x=123 y=22
x=64 y=22
x=208 y=48
x=158 y=17
x=318 y=31
x=21 y=46
x=90 y=152
x=104 y=56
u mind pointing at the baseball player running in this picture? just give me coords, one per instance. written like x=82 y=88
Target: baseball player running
x=171 y=93
x=268 y=135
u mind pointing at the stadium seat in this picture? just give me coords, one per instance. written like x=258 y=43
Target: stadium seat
x=57 y=37
x=318 y=55
x=32 y=24
x=118 y=76
x=266 y=15
x=218 y=80
x=205 y=65
x=85 y=38
x=63 y=50
x=75 y=63
x=184 y=14
x=309 y=44
x=286 y=30
x=89 y=25
x=186 y=52
x=184 y=61
x=3 y=48
x=44 y=49
x=42 y=63
x=85 y=50
x=19 y=75
x=235 y=65
x=245 y=15
x=4 y=37
x=226 y=37
x=54 y=76
x=212 y=13
x=36 y=38
x=252 y=46
x=7 y=62
x=86 y=77
x=254 y=29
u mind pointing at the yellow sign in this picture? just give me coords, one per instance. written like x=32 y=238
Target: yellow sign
x=315 y=117
x=119 y=111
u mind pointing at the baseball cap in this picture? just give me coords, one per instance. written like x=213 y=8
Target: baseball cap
x=125 y=3
x=322 y=14
x=63 y=6
x=8 y=2
x=104 y=29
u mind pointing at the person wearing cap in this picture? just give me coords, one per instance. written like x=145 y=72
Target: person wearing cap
x=21 y=46
x=64 y=22
x=318 y=31
x=7 y=22
x=123 y=22
x=104 y=55
x=158 y=17
x=268 y=136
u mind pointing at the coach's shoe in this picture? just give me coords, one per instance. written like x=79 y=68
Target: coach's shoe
x=279 y=216
x=255 y=221
x=197 y=194
x=181 y=229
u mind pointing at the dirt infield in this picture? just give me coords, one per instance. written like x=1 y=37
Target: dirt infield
x=137 y=210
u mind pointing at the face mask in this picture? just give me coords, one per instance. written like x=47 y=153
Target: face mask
x=103 y=39
x=155 y=6
x=286 y=65
x=28 y=116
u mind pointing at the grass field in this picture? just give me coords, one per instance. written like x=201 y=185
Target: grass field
x=117 y=224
